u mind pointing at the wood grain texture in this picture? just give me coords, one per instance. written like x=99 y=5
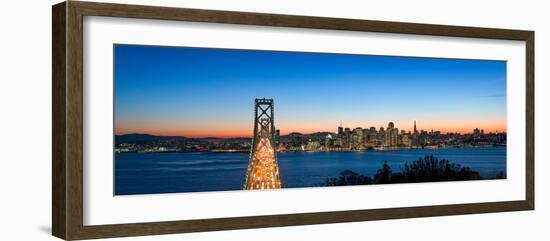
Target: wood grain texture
x=279 y=20
x=67 y=78
x=59 y=182
x=121 y=230
x=530 y=120
x=74 y=121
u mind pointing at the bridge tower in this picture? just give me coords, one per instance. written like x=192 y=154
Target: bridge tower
x=263 y=171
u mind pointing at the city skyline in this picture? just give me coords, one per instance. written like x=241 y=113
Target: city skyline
x=173 y=91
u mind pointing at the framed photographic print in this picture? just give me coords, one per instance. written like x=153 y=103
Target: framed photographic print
x=170 y=120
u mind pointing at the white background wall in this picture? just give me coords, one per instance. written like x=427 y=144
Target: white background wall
x=25 y=121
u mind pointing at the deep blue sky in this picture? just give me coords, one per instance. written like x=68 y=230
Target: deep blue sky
x=210 y=92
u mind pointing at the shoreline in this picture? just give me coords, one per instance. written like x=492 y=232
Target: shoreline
x=316 y=151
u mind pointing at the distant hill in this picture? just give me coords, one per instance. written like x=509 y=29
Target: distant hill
x=316 y=134
x=320 y=134
x=144 y=138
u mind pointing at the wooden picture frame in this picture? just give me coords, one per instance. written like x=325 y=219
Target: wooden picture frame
x=67 y=125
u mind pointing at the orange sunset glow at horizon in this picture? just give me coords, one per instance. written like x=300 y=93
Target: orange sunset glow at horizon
x=444 y=127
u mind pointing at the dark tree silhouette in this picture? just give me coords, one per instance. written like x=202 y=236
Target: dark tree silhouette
x=426 y=169
x=348 y=178
x=431 y=169
x=383 y=175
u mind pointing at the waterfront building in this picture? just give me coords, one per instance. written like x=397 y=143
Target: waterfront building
x=391 y=135
x=357 y=139
x=423 y=138
x=313 y=146
x=477 y=133
x=372 y=137
x=346 y=138
x=333 y=142
x=365 y=140
x=405 y=140
x=381 y=136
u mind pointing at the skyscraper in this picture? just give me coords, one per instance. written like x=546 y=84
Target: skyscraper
x=391 y=136
x=357 y=138
x=414 y=141
x=340 y=130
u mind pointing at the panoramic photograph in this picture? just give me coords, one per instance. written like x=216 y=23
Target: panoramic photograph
x=189 y=119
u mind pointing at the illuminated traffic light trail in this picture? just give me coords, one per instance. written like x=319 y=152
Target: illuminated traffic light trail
x=263 y=171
